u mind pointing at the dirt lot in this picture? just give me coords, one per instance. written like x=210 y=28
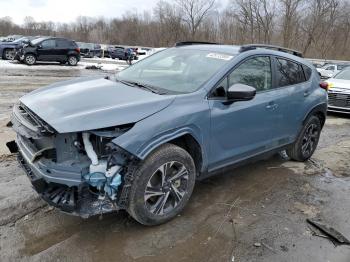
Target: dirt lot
x=253 y=213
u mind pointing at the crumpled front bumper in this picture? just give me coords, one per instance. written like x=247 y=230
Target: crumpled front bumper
x=77 y=201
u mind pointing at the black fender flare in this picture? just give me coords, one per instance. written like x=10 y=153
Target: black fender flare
x=318 y=109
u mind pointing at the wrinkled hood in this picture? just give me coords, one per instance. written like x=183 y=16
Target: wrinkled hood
x=92 y=103
x=339 y=84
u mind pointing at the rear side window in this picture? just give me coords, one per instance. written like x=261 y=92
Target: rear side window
x=62 y=43
x=307 y=72
x=255 y=72
x=331 y=68
x=289 y=73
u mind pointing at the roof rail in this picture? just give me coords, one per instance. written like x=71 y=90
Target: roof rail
x=273 y=47
x=194 y=43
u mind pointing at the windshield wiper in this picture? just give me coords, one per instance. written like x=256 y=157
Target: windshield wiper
x=141 y=85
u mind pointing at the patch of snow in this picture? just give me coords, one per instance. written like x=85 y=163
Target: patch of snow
x=7 y=64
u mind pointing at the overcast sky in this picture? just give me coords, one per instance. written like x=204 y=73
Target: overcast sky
x=68 y=10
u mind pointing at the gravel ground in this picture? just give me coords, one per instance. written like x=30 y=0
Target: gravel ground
x=253 y=213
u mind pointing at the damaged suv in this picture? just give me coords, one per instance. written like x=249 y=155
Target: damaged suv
x=140 y=139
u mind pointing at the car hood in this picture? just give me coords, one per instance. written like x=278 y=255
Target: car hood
x=92 y=103
x=339 y=84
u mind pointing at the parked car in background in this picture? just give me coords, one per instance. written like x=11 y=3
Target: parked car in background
x=49 y=49
x=139 y=140
x=8 y=49
x=121 y=53
x=317 y=65
x=89 y=50
x=329 y=70
x=11 y=38
x=339 y=92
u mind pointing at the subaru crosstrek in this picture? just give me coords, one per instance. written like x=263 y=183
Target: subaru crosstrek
x=140 y=139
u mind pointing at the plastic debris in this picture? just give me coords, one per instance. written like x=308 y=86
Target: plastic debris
x=330 y=232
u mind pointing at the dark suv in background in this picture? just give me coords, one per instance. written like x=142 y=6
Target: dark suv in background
x=49 y=49
x=121 y=53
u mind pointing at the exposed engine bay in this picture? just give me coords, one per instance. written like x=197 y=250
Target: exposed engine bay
x=83 y=173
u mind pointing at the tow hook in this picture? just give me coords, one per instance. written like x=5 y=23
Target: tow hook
x=12 y=146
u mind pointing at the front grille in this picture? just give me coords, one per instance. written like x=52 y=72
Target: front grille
x=339 y=100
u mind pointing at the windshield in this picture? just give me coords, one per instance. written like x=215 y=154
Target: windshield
x=38 y=40
x=176 y=70
x=343 y=75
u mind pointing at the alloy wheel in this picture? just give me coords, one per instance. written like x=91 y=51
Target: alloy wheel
x=309 y=141
x=166 y=188
x=72 y=60
x=30 y=60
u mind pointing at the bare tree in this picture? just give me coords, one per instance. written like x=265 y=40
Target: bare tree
x=289 y=19
x=319 y=28
x=194 y=12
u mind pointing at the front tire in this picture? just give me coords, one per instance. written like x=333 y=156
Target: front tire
x=162 y=185
x=30 y=59
x=307 y=141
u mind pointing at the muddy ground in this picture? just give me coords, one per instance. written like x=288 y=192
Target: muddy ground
x=252 y=213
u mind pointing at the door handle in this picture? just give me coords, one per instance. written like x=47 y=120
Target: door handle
x=272 y=106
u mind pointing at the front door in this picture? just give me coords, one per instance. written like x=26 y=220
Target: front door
x=46 y=50
x=240 y=130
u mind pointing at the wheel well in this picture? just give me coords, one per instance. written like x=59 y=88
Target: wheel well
x=30 y=54
x=4 y=50
x=191 y=145
x=321 y=116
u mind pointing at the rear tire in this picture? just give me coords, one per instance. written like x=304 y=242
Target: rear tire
x=30 y=59
x=162 y=185
x=306 y=143
x=72 y=60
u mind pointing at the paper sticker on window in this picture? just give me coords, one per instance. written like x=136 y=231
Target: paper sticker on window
x=219 y=56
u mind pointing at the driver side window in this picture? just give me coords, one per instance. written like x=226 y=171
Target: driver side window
x=48 y=44
x=255 y=72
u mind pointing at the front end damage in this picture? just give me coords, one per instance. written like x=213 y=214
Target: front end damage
x=82 y=173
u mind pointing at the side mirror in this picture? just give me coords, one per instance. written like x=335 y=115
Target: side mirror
x=39 y=46
x=240 y=92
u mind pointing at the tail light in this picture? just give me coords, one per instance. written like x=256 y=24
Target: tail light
x=324 y=85
x=77 y=49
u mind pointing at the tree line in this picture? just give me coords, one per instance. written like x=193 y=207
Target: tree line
x=318 y=28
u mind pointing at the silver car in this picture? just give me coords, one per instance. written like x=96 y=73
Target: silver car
x=339 y=92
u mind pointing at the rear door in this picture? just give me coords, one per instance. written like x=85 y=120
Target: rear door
x=295 y=87
x=62 y=48
x=46 y=50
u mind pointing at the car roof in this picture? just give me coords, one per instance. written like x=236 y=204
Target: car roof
x=236 y=50
x=229 y=49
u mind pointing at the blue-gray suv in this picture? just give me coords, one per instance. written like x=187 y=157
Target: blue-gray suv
x=140 y=139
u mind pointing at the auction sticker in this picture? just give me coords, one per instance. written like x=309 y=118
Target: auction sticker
x=220 y=56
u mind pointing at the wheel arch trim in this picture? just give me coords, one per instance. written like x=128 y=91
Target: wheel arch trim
x=319 y=108
x=168 y=136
